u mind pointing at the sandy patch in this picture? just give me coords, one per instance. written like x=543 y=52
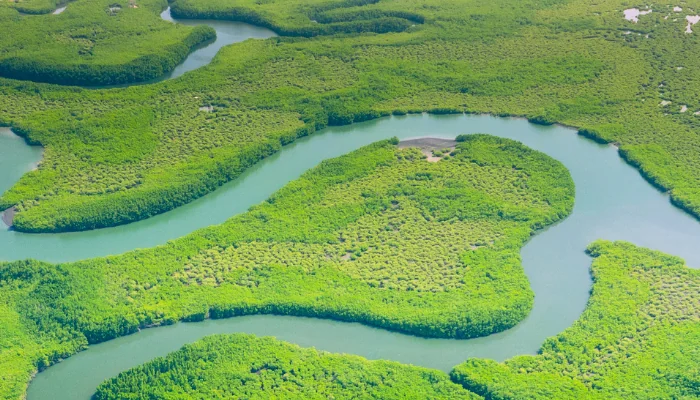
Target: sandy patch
x=692 y=20
x=429 y=144
x=664 y=103
x=633 y=14
x=8 y=216
x=684 y=108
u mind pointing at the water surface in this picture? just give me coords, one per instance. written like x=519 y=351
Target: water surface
x=227 y=32
x=612 y=202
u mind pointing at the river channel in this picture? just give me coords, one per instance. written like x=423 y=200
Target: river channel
x=612 y=202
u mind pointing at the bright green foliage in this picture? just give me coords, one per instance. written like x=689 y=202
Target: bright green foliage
x=121 y=155
x=243 y=366
x=637 y=339
x=95 y=43
x=305 y=18
x=379 y=236
x=32 y=6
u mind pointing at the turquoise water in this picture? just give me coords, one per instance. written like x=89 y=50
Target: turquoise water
x=612 y=202
x=227 y=32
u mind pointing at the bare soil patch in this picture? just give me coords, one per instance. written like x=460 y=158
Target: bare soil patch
x=429 y=144
x=8 y=216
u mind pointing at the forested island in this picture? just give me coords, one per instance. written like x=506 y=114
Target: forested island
x=428 y=248
x=421 y=237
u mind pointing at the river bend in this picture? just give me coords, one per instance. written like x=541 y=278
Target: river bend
x=612 y=202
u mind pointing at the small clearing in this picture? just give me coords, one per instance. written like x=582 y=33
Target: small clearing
x=633 y=14
x=8 y=216
x=692 y=20
x=429 y=146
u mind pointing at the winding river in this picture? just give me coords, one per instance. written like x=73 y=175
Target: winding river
x=227 y=32
x=612 y=202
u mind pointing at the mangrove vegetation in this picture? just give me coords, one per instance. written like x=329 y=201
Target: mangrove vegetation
x=95 y=43
x=637 y=339
x=381 y=236
x=122 y=155
x=411 y=238
x=244 y=366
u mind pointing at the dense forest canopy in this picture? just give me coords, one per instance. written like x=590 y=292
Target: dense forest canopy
x=121 y=155
x=636 y=340
x=238 y=366
x=383 y=235
x=380 y=236
x=33 y=7
x=94 y=43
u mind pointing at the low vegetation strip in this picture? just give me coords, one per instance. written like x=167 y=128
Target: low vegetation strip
x=637 y=339
x=379 y=236
x=243 y=366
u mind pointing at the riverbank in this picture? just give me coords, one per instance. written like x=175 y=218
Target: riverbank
x=8 y=216
x=134 y=47
x=554 y=262
x=392 y=281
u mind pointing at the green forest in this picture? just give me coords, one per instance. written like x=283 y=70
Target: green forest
x=94 y=43
x=32 y=7
x=637 y=339
x=121 y=155
x=346 y=241
x=306 y=19
x=238 y=366
x=416 y=240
